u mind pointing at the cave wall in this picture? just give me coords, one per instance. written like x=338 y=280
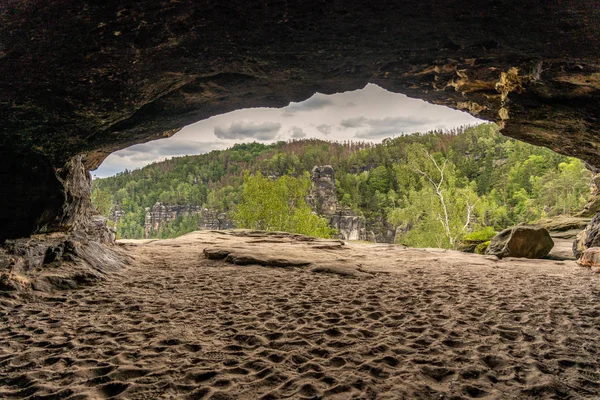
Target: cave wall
x=90 y=78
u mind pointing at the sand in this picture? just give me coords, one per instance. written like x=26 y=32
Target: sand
x=356 y=321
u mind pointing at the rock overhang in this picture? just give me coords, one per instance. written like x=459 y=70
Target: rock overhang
x=93 y=78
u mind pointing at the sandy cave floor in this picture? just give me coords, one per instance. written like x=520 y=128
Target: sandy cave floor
x=361 y=321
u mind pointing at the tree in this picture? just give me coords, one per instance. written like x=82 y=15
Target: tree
x=278 y=205
x=563 y=190
x=440 y=207
x=102 y=201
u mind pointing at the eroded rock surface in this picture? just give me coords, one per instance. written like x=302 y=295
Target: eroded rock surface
x=280 y=249
x=590 y=258
x=49 y=262
x=93 y=78
x=589 y=237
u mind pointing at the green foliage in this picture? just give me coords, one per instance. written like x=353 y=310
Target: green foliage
x=279 y=205
x=482 y=247
x=102 y=201
x=500 y=181
x=484 y=234
x=179 y=226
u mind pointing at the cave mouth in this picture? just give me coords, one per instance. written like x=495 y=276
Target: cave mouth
x=370 y=114
x=476 y=153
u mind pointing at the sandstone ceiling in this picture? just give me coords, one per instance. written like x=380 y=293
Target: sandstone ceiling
x=83 y=78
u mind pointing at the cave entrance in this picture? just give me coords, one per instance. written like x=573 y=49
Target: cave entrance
x=454 y=184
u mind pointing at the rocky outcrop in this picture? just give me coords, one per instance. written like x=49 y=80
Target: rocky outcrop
x=529 y=241
x=593 y=204
x=116 y=214
x=81 y=78
x=563 y=226
x=323 y=200
x=247 y=247
x=589 y=237
x=349 y=225
x=48 y=262
x=590 y=258
x=45 y=199
x=160 y=214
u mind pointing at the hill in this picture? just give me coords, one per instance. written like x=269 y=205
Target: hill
x=428 y=189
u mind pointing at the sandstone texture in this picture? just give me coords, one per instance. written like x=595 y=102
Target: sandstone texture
x=49 y=262
x=589 y=237
x=81 y=78
x=564 y=225
x=529 y=241
x=590 y=258
x=410 y=323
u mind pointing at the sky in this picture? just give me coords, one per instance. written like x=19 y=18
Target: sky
x=368 y=114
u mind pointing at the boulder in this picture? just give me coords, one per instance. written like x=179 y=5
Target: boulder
x=530 y=241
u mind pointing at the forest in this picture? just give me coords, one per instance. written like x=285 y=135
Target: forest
x=436 y=187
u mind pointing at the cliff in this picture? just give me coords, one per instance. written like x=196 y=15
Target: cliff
x=161 y=214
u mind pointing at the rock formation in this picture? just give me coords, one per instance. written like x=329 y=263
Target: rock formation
x=589 y=237
x=324 y=201
x=593 y=204
x=529 y=241
x=81 y=78
x=160 y=214
x=116 y=214
x=590 y=258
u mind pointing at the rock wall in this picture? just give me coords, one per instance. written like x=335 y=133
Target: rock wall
x=160 y=214
x=593 y=204
x=116 y=214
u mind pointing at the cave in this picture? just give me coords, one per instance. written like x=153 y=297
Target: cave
x=83 y=80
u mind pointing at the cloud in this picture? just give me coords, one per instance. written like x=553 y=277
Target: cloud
x=324 y=129
x=316 y=102
x=354 y=122
x=245 y=130
x=140 y=155
x=297 y=133
x=386 y=127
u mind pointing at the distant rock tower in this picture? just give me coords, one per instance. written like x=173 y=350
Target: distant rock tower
x=323 y=200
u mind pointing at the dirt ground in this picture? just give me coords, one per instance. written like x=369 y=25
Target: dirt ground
x=330 y=321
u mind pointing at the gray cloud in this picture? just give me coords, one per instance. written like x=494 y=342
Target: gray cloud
x=297 y=133
x=166 y=148
x=354 y=122
x=142 y=154
x=385 y=127
x=316 y=102
x=246 y=130
x=324 y=129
